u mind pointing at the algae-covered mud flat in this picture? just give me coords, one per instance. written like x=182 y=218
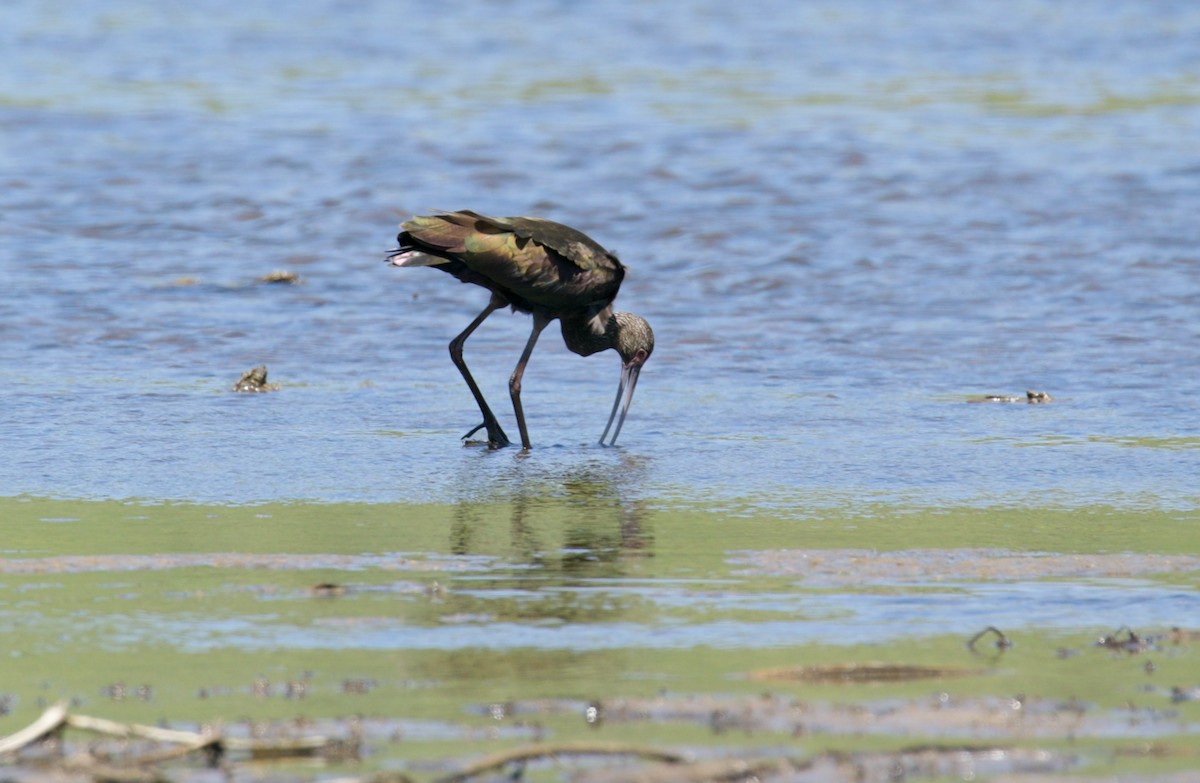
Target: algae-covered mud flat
x=595 y=639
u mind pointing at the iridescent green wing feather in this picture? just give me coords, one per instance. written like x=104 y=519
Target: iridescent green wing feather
x=574 y=245
x=540 y=261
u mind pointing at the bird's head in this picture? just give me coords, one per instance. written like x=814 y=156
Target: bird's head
x=633 y=339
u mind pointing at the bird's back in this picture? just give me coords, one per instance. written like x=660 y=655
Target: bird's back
x=534 y=263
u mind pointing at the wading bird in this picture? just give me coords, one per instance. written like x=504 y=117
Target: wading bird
x=538 y=267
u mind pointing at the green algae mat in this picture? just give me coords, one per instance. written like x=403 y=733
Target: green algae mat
x=575 y=637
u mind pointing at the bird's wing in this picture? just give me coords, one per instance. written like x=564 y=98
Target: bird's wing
x=538 y=260
x=575 y=246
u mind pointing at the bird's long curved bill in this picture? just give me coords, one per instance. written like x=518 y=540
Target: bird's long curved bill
x=629 y=377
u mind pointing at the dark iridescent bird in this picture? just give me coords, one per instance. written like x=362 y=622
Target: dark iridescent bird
x=538 y=267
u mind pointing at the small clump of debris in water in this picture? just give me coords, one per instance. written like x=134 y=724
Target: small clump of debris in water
x=281 y=276
x=1031 y=397
x=255 y=380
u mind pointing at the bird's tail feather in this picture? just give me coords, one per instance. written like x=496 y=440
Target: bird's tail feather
x=409 y=256
x=447 y=232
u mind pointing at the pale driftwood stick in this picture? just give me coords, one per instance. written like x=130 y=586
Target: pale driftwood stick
x=57 y=717
x=50 y=721
x=118 y=729
x=187 y=741
x=540 y=749
x=194 y=741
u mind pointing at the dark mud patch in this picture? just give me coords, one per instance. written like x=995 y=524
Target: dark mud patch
x=857 y=673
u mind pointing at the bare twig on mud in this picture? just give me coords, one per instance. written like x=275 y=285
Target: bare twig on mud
x=541 y=750
x=1002 y=642
x=710 y=771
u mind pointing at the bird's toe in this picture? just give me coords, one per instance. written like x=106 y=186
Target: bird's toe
x=496 y=439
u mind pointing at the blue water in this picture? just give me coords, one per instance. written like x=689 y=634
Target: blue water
x=842 y=219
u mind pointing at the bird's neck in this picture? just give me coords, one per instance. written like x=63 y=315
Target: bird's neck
x=586 y=336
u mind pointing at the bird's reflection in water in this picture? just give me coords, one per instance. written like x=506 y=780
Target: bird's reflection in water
x=582 y=520
x=567 y=540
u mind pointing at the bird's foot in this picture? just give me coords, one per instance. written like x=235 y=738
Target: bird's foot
x=496 y=437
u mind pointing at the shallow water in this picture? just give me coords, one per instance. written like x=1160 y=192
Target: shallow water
x=844 y=221
x=840 y=225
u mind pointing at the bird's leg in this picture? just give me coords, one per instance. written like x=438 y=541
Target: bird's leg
x=514 y=383
x=496 y=436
